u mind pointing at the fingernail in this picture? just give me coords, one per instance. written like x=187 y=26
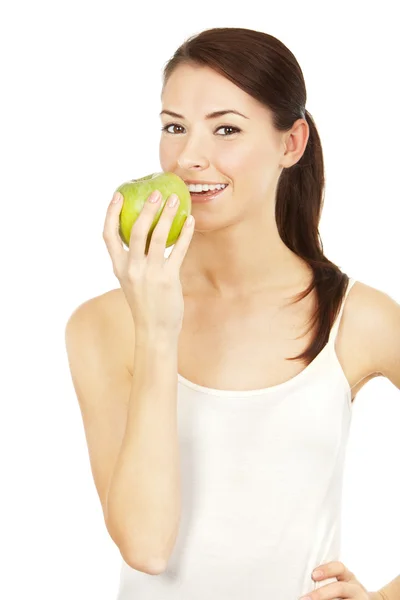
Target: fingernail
x=317 y=573
x=117 y=197
x=154 y=196
x=189 y=221
x=305 y=598
x=173 y=200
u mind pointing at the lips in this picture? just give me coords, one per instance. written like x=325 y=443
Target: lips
x=206 y=196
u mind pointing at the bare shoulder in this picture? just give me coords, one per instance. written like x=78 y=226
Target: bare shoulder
x=365 y=304
x=103 y=306
x=372 y=320
x=102 y=384
x=109 y=314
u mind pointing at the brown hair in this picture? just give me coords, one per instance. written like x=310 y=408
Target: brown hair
x=266 y=69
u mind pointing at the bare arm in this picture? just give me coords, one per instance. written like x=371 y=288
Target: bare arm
x=391 y=591
x=144 y=502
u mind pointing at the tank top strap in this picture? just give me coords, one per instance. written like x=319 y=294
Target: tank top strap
x=335 y=326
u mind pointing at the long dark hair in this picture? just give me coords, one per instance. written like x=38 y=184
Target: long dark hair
x=266 y=69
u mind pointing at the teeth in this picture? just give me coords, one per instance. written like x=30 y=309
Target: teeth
x=205 y=188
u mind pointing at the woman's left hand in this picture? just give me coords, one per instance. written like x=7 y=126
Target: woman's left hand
x=347 y=586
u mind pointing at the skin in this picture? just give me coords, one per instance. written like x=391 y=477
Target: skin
x=236 y=249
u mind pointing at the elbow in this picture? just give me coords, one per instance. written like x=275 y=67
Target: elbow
x=151 y=567
x=145 y=565
x=136 y=559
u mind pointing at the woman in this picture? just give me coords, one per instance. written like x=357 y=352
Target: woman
x=217 y=399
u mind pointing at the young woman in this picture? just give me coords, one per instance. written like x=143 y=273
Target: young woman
x=216 y=385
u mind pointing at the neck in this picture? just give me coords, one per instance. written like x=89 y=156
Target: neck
x=240 y=260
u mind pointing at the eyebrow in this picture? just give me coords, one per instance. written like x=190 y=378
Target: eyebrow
x=213 y=115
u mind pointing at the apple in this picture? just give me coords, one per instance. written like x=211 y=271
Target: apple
x=135 y=194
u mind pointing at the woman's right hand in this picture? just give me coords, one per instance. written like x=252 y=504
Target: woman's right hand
x=151 y=283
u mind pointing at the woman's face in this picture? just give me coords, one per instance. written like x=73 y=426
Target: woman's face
x=243 y=151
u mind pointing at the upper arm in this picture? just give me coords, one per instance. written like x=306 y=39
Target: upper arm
x=383 y=323
x=102 y=384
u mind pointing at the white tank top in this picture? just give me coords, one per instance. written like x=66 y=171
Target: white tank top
x=261 y=477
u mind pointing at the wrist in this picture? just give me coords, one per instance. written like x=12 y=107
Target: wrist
x=156 y=341
x=377 y=596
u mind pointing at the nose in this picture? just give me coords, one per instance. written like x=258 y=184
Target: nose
x=187 y=164
x=193 y=157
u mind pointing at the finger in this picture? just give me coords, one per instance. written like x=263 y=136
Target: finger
x=175 y=259
x=111 y=235
x=141 y=227
x=161 y=231
x=334 y=591
x=334 y=569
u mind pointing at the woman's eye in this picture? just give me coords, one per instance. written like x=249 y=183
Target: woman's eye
x=234 y=129
x=166 y=127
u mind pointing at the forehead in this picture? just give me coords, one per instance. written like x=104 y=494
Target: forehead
x=197 y=90
x=197 y=75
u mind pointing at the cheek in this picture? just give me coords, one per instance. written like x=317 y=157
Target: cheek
x=231 y=160
x=167 y=156
x=254 y=166
x=255 y=155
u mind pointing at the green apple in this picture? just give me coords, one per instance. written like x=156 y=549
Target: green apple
x=135 y=194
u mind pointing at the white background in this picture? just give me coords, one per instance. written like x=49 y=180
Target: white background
x=81 y=84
